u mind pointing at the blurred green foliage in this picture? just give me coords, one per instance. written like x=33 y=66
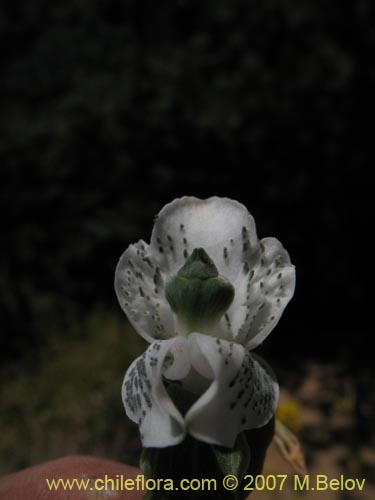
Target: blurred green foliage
x=66 y=398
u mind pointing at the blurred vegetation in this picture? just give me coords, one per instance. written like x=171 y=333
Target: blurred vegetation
x=66 y=399
x=289 y=413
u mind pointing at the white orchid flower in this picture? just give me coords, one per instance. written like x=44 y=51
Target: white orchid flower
x=203 y=293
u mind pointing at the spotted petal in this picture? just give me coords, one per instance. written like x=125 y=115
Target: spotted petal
x=223 y=227
x=263 y=289
x=233 y=391
x=146 y=400
x=243 y=393
x=139 y=285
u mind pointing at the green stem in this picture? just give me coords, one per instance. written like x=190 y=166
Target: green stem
x=196 y=460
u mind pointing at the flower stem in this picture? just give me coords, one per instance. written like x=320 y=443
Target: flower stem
x=194 y=460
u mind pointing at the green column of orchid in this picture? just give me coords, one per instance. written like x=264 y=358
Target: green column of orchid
x=197 y=294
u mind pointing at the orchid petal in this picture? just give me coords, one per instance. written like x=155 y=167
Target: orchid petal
x=139 y=285
x=243 y=393
x=263 y=290
x=146 y=399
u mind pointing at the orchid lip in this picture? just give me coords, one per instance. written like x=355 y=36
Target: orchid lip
x=217 y=379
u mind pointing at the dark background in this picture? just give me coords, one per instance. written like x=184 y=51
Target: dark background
x=109 y=110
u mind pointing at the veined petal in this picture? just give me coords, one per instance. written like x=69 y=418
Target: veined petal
x=146 y=400
x=139 y=285
x=243 y=393
x=263 y=289
x=223 y=227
